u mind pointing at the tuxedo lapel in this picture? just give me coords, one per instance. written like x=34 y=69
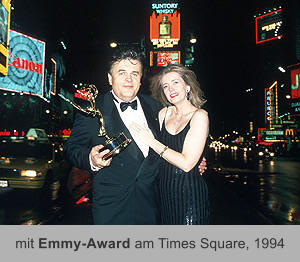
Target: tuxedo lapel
x=114 y=125
x=151 y=117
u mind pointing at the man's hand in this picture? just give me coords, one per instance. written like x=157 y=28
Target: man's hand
x=202 y=167
x=97 y=157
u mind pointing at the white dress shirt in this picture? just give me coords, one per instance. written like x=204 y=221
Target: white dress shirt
x=128 y=116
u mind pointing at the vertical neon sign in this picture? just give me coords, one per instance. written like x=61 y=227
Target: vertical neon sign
x=271 y=104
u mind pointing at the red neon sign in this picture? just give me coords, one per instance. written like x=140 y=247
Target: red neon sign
x=164 y=59
x=65 y=132
x=8 y=133
x=260 y=132
x=295 y=83
x=82 y=94
x=26 y=65
x=160 y=58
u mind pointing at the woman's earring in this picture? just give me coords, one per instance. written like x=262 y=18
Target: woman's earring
x=188 y=95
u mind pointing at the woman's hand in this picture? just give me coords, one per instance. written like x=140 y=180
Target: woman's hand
x=141 y=133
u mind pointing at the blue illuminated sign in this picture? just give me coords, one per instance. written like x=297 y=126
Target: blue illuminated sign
x=3 y=25
x=47 y=85
x=26 y=63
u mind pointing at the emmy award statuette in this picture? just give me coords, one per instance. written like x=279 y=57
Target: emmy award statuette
x=117 y=143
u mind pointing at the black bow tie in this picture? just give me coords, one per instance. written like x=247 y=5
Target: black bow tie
x=124 y=105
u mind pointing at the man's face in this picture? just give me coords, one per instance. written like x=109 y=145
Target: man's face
x=125 y=78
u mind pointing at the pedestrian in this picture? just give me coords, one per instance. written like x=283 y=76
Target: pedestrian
x=125 y=188
x=184 y=126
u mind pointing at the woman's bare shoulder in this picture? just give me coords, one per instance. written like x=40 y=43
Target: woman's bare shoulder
x=200 y=115
x=162 y=113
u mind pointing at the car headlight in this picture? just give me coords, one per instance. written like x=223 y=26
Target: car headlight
x=261 y=153
x=272 y=154
x=30 y=173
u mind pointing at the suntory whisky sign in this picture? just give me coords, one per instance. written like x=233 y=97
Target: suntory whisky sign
x=165 y=24
x=166 y=8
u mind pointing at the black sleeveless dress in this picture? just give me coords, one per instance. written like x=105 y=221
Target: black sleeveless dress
x=183 y=195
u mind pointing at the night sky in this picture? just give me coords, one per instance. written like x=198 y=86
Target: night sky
x=227 y=61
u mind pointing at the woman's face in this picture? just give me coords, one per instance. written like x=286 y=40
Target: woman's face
x=174 y=87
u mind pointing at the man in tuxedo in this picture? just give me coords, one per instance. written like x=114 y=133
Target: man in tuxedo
x=124 y=188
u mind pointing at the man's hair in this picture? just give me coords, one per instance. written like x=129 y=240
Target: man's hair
x=130 y=53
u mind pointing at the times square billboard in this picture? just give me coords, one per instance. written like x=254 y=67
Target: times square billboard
x=165 y=24
x=295 y=91
x=26 y=64
x=268 y=26
x=164 y=58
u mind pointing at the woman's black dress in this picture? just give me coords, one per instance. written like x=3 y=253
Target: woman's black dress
x=183 y=195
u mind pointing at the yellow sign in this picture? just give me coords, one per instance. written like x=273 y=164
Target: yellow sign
x=4 y=35
x=289 y=132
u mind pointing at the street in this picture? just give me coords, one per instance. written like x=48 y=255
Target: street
x=242 y=192
x=262 y=192
x=31 y=207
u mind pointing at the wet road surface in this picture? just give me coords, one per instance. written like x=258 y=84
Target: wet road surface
x=242 y=191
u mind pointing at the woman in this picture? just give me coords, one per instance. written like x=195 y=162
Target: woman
x=184 y=126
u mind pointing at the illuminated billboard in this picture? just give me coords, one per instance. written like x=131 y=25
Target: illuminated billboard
x=295 y=83
x=161 y=58
x=47 y=85
x=4 y=34
x=268 y=26
x=295 y=107
x=165 y=24
x=26 y=63
x=271 y=104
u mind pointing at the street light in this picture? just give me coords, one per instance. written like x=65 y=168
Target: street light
x=281 y=69
x=193 y=40
x=113 y=44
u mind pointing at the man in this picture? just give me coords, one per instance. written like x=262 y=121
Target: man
x=124 y=188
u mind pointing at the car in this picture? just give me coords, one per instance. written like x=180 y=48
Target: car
x=37 y=134
x=264 y=152
x=30 y=164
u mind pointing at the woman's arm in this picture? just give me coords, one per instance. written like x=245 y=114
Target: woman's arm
x=193 y=144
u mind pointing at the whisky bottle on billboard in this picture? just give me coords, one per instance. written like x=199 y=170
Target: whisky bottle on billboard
x=165 y=28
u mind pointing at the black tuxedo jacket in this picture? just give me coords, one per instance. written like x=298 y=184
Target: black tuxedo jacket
x=125 y=193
